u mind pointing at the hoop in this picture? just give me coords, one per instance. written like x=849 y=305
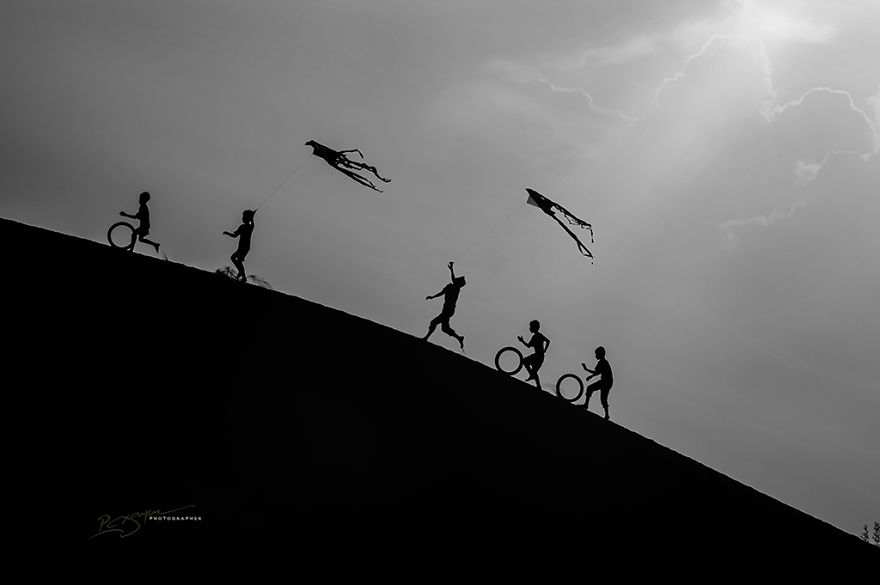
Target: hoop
x=504 y=350
x=580 y=391
x=113 y=227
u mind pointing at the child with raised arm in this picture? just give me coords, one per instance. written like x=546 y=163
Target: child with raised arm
x=450 y=294
x=243 y=233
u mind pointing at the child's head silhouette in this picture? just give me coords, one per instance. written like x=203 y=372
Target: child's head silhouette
x=247 y=215
x=534 y=325
x=144 y=197
x=600 y=352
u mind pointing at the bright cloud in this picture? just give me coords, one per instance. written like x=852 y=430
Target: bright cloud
x=781 y=20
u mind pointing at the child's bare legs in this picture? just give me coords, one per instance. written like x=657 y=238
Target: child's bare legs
x=150 y=242
x=134 y=238
x=532 y=366
x=527 y=364
x=532 y=369
x=451 y=332
x=603 y=394
x=238 y=262
x=137 y=236
x=433 y=325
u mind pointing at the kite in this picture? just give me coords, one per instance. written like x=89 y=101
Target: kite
x=551 y=207
x=343 y=164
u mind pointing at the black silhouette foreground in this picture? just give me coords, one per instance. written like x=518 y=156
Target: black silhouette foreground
x=141 y=232
x=339 y=161
x=551 y=208
x=532 y=363
x=603 y=386
x=450 y=294
x=243 y=233
x=444 y=448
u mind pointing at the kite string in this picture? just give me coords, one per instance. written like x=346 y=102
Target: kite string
x=278 y=188
x=486 y=235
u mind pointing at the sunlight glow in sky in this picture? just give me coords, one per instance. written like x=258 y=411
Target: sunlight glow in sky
x=780 y=21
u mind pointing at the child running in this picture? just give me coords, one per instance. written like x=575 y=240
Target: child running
x=540 y=344
x=143 y=229
x=450 y=294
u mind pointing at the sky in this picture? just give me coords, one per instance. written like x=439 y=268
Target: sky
x=726 y=153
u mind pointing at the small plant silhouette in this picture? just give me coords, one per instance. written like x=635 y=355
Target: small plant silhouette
x=871 y=538
x=229 y=272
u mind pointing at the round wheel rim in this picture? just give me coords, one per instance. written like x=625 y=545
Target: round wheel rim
x=566 y=396
x=118 y=224
x=501 y=352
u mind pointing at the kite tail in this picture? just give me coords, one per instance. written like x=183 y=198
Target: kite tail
x=583 y=249
x=572 y=220
x=587 y=253
x=551 y=207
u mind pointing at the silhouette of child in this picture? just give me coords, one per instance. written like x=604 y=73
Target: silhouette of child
x=540 y=344
x=450 y=294
x=343 y=164
x=243 y=233
x=603 y=368
x=143 y=229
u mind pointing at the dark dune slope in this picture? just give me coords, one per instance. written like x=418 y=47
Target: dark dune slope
x=300 y=423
